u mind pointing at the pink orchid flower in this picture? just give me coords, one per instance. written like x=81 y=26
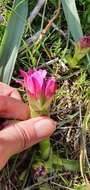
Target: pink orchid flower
x=85 y=42
x=39 y=88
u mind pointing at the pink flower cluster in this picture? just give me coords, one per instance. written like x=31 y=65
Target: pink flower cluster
x=37 y=85
x=85 y=42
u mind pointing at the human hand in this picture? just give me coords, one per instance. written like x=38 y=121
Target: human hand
x=19 y=135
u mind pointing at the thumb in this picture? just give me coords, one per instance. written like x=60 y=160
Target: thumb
x=23 y=135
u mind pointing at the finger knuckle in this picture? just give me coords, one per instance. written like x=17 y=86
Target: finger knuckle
x=24 y=137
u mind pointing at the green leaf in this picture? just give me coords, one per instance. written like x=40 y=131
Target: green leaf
x=12 y=39
x=72 y=19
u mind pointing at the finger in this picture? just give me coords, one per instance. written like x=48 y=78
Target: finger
x=15 y=94
x=13 y=109
x=6 y=90
x=23 y=135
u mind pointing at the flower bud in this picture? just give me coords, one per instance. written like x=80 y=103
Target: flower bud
x=38 y=171
x=85 y=42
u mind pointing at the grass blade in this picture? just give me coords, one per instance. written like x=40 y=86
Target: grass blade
x=72 y=18
x=12 y=39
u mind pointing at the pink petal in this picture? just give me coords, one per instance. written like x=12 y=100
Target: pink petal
x=25 y=78
x=40 y=76
x=43 y=73
x=19 y=81
x=23 y=73
x=38 y=87
x=50 y=88
x=30 y=71
x=31 y=86
x=38 y=80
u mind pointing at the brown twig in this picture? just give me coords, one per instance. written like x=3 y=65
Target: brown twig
x=45 y=30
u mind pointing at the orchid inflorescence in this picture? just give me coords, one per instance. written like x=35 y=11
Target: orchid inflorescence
x=39 y=88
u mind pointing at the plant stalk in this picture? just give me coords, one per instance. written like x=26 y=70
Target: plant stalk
x=44 y=145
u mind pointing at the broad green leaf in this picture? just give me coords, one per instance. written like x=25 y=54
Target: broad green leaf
x=72 y=19
x=12 y=39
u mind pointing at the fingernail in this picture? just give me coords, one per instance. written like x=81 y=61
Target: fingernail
x=45 y=127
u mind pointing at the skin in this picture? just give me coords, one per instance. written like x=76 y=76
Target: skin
x=19 y=132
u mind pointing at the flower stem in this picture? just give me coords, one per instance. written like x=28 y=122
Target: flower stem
x=45 y=144
x=45 y=149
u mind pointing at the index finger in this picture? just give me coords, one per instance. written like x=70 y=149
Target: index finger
x=11 y=108
x=6 y=90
